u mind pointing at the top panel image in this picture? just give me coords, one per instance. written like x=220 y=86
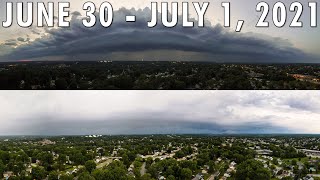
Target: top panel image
x=159 y=45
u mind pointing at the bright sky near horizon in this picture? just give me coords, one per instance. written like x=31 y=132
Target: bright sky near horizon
x=306 y=39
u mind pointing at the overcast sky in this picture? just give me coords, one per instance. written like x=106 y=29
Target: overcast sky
x=134 y=41
x=150 y=112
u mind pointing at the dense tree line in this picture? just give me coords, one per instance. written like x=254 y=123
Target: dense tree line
x=153 y=75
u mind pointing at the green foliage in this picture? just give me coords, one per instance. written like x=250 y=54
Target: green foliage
x=62 y=158
x=286 y=152
x=252 y=170
x=85 y=176
x=287 y=178
x=186 y=174
x=115 y=171
x=38 y=173
x=46 y=159
x=184 y=152
x=146 y=176
x=66 y=177
x=98 y=174
x=90 y=165
x=61 y=84
x=171 y=177
x=205 y=150
x=53 y=175
x=294 y=162
x=78 y=158
x=2 y=168
x=4 y=156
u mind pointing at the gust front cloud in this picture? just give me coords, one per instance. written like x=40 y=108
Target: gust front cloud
x=152 y=112
x=209 y=43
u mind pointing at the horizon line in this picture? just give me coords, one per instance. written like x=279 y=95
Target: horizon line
x=159 y=134
x=200 y=61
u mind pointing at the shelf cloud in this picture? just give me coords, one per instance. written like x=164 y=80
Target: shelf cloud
x=132 y=40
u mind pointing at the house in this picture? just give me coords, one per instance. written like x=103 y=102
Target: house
x=308 y=177
x=46 y=142
x=198 y=177
x=312 y=169
x=265 y=165
x=29 y=169
x=264 y=152
x=204 y=171
x=7 y=174
x=227 y=175
x=223 y=178
x=218 y=160
x=75 y=171
x=232 y=164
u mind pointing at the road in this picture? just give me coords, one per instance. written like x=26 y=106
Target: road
x=105 y=163
x=214 y=175
x=143 y=169
x=314 y=175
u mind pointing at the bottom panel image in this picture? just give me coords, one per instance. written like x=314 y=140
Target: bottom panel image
x=173 y=135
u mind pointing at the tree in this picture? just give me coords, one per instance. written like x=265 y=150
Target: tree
x=17 y=168
x=98 y=174
x=125 y=160
x=146 y=176
x=275 y=161
x=85 y=176
x=45 y=158
x=66 y=177
x=90 y=165
x=171 y=177
x=153 y=171
x=287 y=178
x=211 y=166
x=2 y=169
x=62 y=158
x=251 y=170
x=53 y=175
x=294 y=162
x=4 y=156
x=61 y=84
x=38 y=173
x=78 y=158
x=149 y=161
x=186 y=174
x=73 y=85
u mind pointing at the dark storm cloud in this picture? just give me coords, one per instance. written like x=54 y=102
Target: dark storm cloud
x=11 y=40
x=148 y=124
x=21 y=39
x=35 y=32
x=10 y=44
x=211 y=41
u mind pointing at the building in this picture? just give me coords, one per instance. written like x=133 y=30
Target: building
x=198 y=177
x=46 y=142
x=310 y=152
x=264 y=152
x=7 y=174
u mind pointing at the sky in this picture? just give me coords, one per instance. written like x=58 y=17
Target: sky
x=158 y=112
x=134 y=41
